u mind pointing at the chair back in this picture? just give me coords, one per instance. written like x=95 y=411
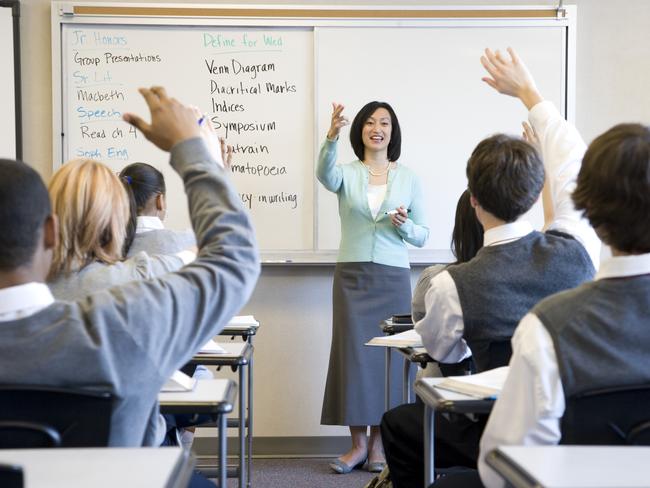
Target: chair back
x=11 y=476
x=499 y=354
x=43 y=416
x=612 y=416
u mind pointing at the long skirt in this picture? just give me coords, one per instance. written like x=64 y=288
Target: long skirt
x=364 y=294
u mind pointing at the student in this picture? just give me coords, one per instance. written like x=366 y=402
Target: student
x=92 y=208
x=474 y=305
x=150 y=193
x=466 y=240
x=128 y=339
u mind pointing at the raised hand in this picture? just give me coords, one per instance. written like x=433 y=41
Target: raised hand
x=171 y=121
x=338 y=121
x=530 y=136
x=226 y=153
x=510 y=77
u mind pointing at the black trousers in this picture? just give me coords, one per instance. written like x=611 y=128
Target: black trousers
x=459 y=479
x=402 y=432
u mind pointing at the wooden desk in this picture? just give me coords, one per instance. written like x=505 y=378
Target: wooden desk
x=239 y=358
x=572 y=466
x=105 y=467
x=214 y=397
x=443 y=401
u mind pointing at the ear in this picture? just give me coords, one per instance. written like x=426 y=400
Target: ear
x=50 y=232
x=161 y=204
x=473 y=201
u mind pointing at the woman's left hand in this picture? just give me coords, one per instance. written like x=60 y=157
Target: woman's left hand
x=400 y=217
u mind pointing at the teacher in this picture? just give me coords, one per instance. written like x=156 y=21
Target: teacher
x=381 y=209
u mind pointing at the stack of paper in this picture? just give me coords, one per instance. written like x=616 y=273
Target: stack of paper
x=487 y=384
x=212 y=347
x=410 y=338
x=179 y=382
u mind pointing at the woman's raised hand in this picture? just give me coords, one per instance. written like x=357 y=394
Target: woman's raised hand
x=338 y=121
x=530 y=136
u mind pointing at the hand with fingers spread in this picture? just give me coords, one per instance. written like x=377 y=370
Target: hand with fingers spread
x=226 y=153
x=209 y=135
x=171 y=121
x=510 y=77
x=338 y=121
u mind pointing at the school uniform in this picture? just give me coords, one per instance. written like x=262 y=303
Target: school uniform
x=476 y=304
x=129 y=339
x=152 y=238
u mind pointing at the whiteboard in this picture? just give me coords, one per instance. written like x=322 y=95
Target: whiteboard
x=10 y=146
x=266 y=77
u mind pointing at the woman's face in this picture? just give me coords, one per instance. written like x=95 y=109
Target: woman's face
x=377 y=130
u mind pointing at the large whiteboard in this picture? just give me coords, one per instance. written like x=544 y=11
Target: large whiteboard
x=266 y=80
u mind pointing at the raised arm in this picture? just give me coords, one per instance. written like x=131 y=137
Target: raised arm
x=170 y=318
x=327 y=172
x=561 y=146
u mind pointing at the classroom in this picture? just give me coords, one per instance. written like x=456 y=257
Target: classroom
x=295 y=217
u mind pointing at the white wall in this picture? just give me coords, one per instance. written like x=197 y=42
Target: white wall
x=293 y=303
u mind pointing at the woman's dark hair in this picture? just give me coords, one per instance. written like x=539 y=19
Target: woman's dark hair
x=132 y=222
x=395 y=144
x=145 y=182
x=613 y=187
x=506 y=175
x=467 y=237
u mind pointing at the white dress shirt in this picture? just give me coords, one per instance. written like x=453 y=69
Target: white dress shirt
x=147 y=223
x=562 y=149
x=532 y=403
x=17 y=302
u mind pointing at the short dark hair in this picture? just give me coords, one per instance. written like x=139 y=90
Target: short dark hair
x=467 y=236
x=613 y=187
x=145 y=181
x=395 y=144
x=505 y=175
x=24 y=207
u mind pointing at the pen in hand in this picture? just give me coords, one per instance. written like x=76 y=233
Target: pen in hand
x=394 y=212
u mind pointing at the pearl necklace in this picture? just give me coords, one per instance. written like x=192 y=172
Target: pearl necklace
x=381 y=173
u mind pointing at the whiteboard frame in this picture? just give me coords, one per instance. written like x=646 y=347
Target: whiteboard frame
x=14 y=5
x=298 y=16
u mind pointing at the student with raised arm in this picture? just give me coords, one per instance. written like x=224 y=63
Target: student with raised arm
x=128 y=339
x=475 y=306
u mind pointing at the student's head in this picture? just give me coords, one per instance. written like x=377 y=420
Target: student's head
x=27 y=228
x=467 y=236
x=93 y=211
x=505 y=175
x=376 y=117
x=613 y=187
x=148 y=187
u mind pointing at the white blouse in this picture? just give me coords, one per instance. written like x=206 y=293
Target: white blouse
x=376 y=195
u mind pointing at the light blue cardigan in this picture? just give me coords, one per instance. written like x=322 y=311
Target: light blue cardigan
x=363 y=238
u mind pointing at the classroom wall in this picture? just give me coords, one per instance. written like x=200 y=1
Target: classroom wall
x=293 y=303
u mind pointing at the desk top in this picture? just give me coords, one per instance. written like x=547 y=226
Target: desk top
x=241 y=325
x=573 y=466
x=389 y=327
x=237 y=354
x=101 y=467
x=208 y=396
x=449 y=401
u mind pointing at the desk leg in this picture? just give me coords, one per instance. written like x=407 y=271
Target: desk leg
x=223 y=459
x=429 y=443
x=406 y=385
x=242 y=426
x=387 y=380
x=249 y=428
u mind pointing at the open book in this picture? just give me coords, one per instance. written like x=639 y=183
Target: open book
x=179 y=382
x=487 y=384
x=410 y=338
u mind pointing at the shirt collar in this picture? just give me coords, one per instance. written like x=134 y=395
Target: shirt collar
x=146 y=223
x=623 y=266
x=24 y=299
x=507 y=232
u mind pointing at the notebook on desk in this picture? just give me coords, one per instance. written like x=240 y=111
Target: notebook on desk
x=212 y=347
x=487 y=384
x=243 y=321
x=410 y=338
x=179 y=382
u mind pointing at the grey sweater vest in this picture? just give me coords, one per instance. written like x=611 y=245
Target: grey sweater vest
x=601 y=333
x=502 y=283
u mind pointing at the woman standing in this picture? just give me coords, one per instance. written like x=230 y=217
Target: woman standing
x=381 y=209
